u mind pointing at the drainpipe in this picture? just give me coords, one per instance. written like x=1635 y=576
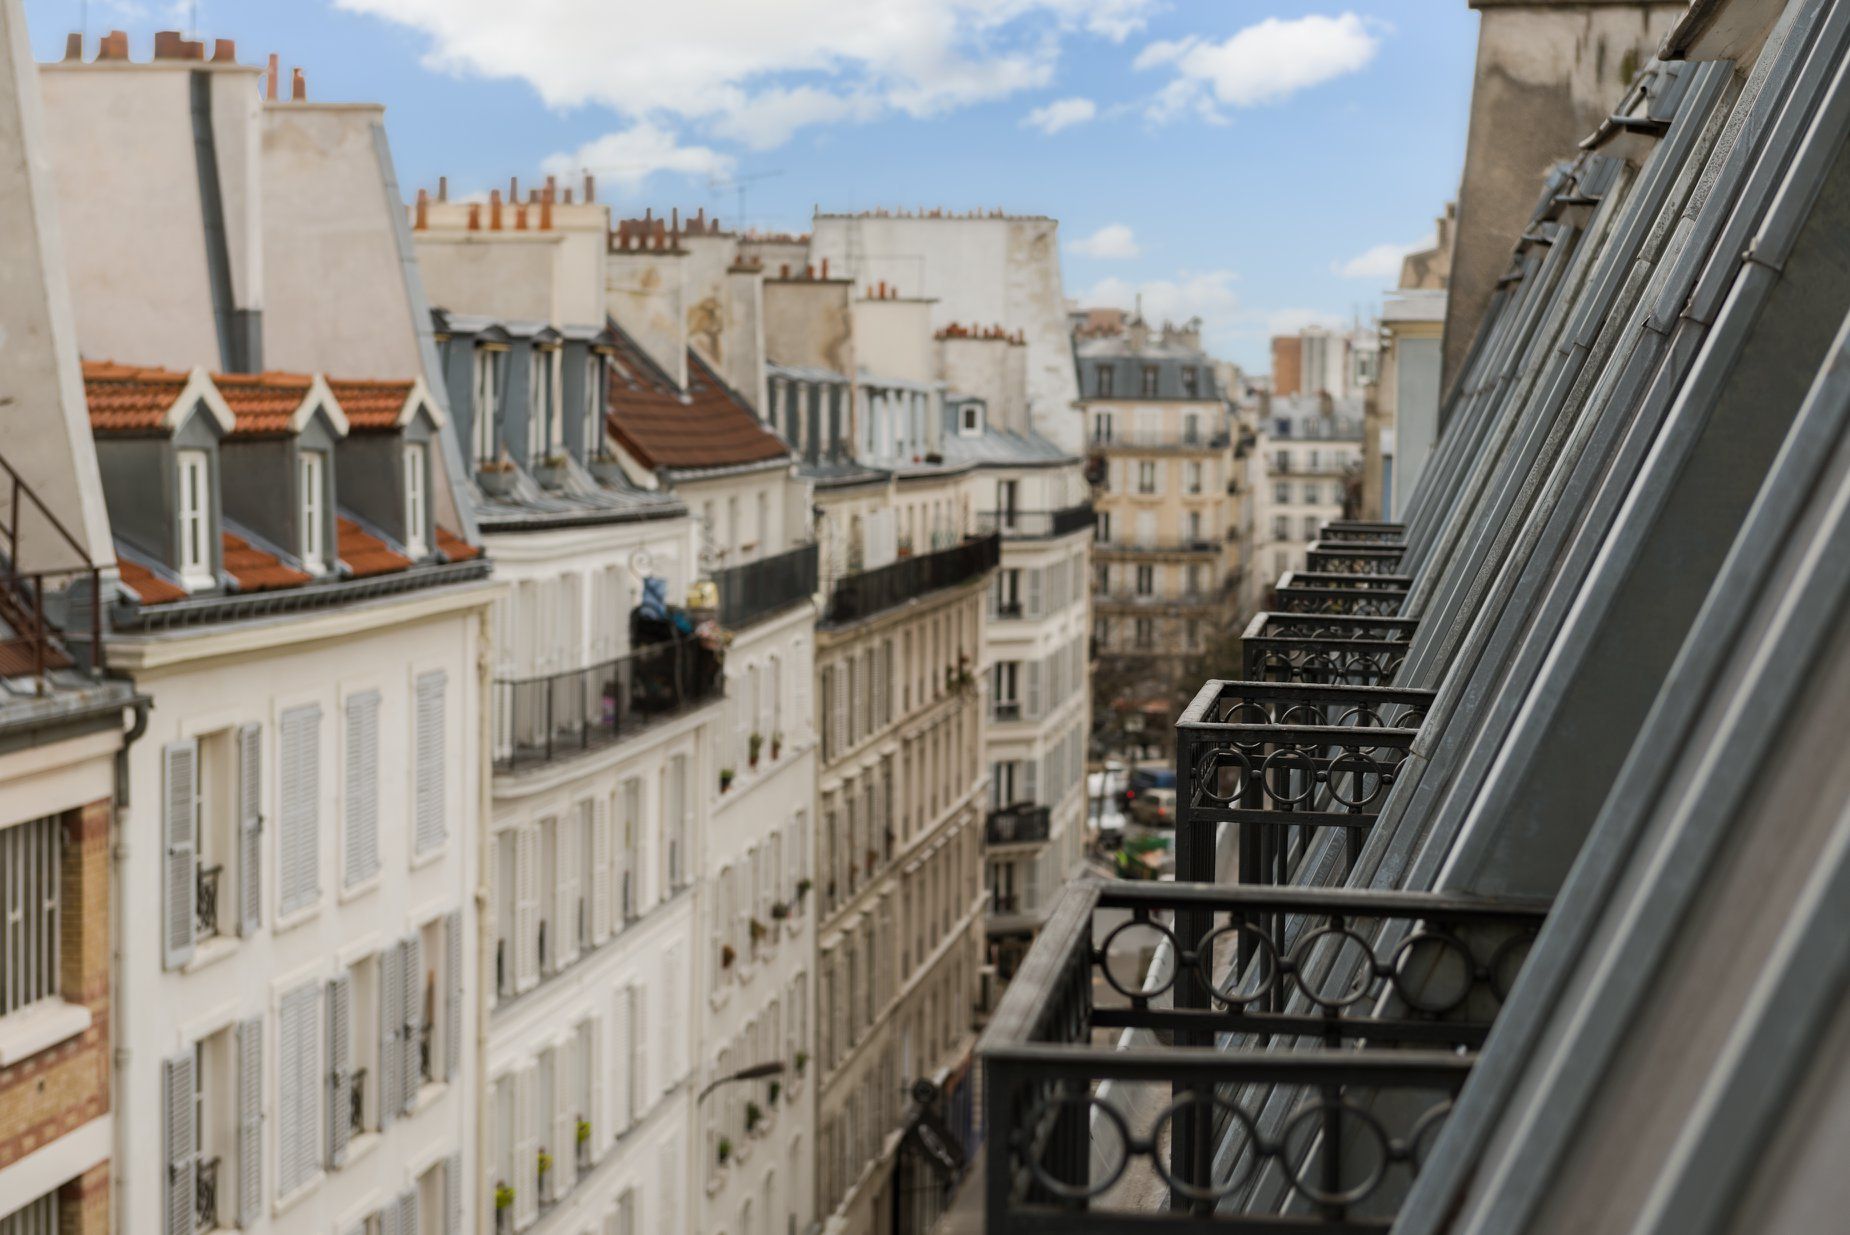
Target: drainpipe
x=117 y=851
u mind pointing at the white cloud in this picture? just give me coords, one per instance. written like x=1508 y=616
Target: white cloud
x=1381 y=261
x=1061 y=114
x=627 y=158
x=1114 y=242
x=1206 y=294
x=1263 y=63
x=722 y=62
x=1290 y=321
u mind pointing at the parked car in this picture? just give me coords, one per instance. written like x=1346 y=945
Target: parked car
x=1152 y=775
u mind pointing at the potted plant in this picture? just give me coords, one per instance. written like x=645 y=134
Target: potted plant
x=802 y=1058
x=779 y=911
x=803 y=887
x=757 y=930
x=754 y=1115
x=776 y=1091
x=584 y=1143
x=777 y=745
x=725 y=779
x=504 y=1197
x=606 y=468
x=552 y=470
x=724 y=1149
x=545 y=1162
x=753 y=745
x=727 y=956
x=497 y=476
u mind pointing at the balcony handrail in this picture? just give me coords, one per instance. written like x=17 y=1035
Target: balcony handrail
x=1154 y=547
x=866 y=593
x=753 y=590
x=1037 y=524
x=22 y=591
x=1020 y=823
x=1157 y=439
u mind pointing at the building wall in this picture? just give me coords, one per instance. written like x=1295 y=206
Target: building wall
x=1302 y=489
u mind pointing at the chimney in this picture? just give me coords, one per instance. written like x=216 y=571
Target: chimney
x=494 y=210
x=520 y=216
x=423 y=215
x=513 y=188
x=443 y=188
x=74 y=46
x=568 y=194
x=590 y=188
x=269 y=79
x=172 y=45
x=825 y=267
x=224 y=51
x=783 y=271
x=298 y=86
x=475 y=216
x=546 y=206
x=114 y=46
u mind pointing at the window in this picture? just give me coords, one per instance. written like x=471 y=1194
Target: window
x=1103 y=380
x=298 y=1089
x=972 y=418
x=1191 y=382
x=312 y=473
x=1281 y=527
x=1281 y=462
x=490 y=362
x=1191 y=429
x=1193 y=471
x=1145 y=632
x=1008 y=592
x=595 y=401
x=31 y=860
x=1101 y=531
x=1007 y=676
x=1281 y=494
x=1311 y=525
x=1149 y=381
x=195 y=546
x=1146 y=580
x=417 y=503
x=1194 y=527
x=1101 y=423
x=542 y=404
x=38 y=1217
x=1146 y=476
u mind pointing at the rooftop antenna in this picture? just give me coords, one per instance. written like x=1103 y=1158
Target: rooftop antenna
x=717 y=185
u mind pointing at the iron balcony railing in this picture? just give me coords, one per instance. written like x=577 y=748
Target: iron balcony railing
x=1355 y=595
x=1289 y=1088
x=205 y=900
x=205 y=1195
x=1355 y=531
x=1171 y=548
x=35 y=596
x=1329 y=649
x=1036 y=524
x=754 y=590
x=559 y=715
x=1020 y=824
x=1157 y=439
x=862 y=595
x=1337 y=557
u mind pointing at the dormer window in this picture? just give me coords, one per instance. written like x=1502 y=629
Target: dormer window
x=489 y=364
x=417 y=510
x=1149 y=381
x=1191 y=382
x=542 y=409
x=596 y=399
x=1104 y=381
x=313 y=465
x=195 y=556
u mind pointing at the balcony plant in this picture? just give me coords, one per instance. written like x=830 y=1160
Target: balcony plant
x=551 y=471
x=725 y=779
x=801 y=1060
x=803 y=887
x=777 y=745
x=724 y=1150
x=775 y=1091
x=496 y=476
x=758 y=931
x=545 y=1162
x=584 y=1131
x=504 y=1197
x=779 y=911
x=753 y=745
x=754 y=1115
x=873 y=856
x=726 y=956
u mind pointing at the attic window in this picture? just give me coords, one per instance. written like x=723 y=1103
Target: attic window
x=1149 y=381
x=195 y=549
x=1191 y=382
x=1104 y=381
x=417 y=518
x=972 y=419
x=313 y=465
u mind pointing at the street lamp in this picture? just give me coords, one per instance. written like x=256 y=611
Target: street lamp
x=757 y=1072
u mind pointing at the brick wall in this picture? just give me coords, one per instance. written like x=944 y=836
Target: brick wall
x=1287 y=365
x=61 y=1089
x=83 y=1203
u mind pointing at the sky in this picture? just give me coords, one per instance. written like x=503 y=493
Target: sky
x=1261 y=164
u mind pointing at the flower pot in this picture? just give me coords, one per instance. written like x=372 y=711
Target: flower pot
x=497 y=482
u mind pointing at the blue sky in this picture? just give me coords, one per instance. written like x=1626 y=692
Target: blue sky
x=1256 y=162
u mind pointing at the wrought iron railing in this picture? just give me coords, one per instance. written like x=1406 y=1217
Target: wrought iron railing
x=205 y=1194
x=1330 y=649
x=356 y=1102
x=1354 y=595
x=1164 y=548
x=1339 y=1080
x=1020 y=824
x=1360 y=532
x=205 y=900
x=559 y=715
x=34 y=597
x=869 y=592
x=1036 y=524
x=754 y=590
x=1158 y=439
x=1340 y=558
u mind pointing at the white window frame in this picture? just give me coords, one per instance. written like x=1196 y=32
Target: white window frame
x=489 y=363
x=417 y=499
x=596 y=372
x=31 y=886
x=311 y=473
x=193 y=471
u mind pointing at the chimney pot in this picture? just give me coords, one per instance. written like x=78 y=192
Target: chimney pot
x=546 y=207
x=423 y=215
x=494 y=210
x=590 y=188
x=443 y=188
x=825 y=267
x=74 y=45
x=783 y=271
x=167 y=45
x=809 y=271
x=520 y=216
x=568 y=194
x=475 y=216
x=269 y=79
x=114 y=46
x=225 y=51
x=513 y=188
x=298 y=86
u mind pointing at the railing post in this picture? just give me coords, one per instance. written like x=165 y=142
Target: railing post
x=1191 y=1148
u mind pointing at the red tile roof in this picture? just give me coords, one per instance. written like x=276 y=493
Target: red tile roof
x=150 y=587
x=128 y=398
x=371 y=404
x=256 y=570
x=454 y=548
x=365 y=554
x=262 y=402
x=708 y=427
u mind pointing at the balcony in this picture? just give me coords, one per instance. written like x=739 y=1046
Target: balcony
x=1155 y=549
x=1146 y=441
x=870 y=592
x=1368 y=595
x=1036 y=524
x=561 y=715
x=755 y=590
x=1259 y=1134
x=1338 y=557
x=1020 y=824
x=35 y=596
x=205 y=901
x=1325 y=649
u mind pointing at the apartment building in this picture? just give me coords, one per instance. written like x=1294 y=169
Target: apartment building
x=64 y=721
x=604 y=714
x=1034 y=496
x=1159 y=435
x=1309 y=449
x=1401 y=419
x=901 y=782
x=306 y=611
x=701 y=438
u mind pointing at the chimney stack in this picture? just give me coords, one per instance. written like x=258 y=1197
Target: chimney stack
x=172 y=45
x=475 y=216
x=269 y=78
x=825 y=267
x=590 y=188
x=513 y=188
x=74 y=46
x=224 y=51
x=298 y=86
x=443 y=188
x=423 y=215
x=568 y=194
x=494 y=210
x=114 y=46
x=546 y=206
x=520 y=216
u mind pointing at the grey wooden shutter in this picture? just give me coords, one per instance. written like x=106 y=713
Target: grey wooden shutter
x=408 y=1211
x=391 y=1012
x=1034 y=591
x=299 y=1083
x=453 y=993
x=298 y=840
x=250 y=829
x=360 y=799
x=340 y=1066
x=180 y=833
x=177 y=1089
x=388 y=1218
x=600 y=871
x=250 y=1122
x=1031 y=710
x=428 y=752
x=452 y=1194
x=1030 y=780
x=411 y=971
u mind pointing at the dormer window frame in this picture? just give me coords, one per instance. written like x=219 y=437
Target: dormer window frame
x=312 y=508
x=970 y=418
x=544 y=433
x=193 y=517
x=1102 y=380
x=488 y=361
x=416 y=464
x=597 y=399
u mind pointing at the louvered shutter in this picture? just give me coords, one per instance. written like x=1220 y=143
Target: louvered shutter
x=388 y=1219
x=839 y=717
x=250 y=1122
x=526 y=908
x=453 y=993
x=391 y=1006
x=1034 y=592
x=568 y=852
x=600 y=870
x=452 y=1195
x=299 y=1086
x=299 y=831
x=411 y=975
x=340 y=1066
x=526 y=1151
x=408 y=1211
x=642 y=1099
x=1031 y=709
x=564 y=1130
x=432 y=828
x=621 y=1063
x=180 y=832
x=360 y=799
x=177 y=1089
x=674 y=1058
x=591 y=1041
x=800 y=671
x=1030 y=780
x=250 y=829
